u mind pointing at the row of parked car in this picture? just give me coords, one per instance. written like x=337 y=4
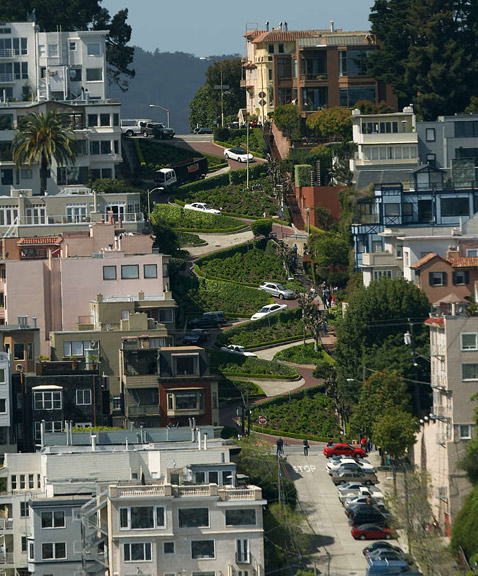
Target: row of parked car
x=365 y=507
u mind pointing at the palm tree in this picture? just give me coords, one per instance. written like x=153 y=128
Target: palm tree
x=42 y=137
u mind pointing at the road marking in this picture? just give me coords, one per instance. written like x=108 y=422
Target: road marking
x=305 y=468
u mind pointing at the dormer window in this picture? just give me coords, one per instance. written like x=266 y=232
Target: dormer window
x=185 y=364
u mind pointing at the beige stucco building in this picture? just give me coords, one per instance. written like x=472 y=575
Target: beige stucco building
x=444 y=434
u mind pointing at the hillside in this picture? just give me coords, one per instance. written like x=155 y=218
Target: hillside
x=164 y=78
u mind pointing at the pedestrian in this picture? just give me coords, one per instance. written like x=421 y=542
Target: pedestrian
x=280 y=446
x=306 y=447
x=325 y=326
x=363 y=443
x=330 y=443
x=369 y=446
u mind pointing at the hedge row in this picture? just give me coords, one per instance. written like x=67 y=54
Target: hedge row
x=304 y=355
x=246 y=366
x=287 y=434
x=232 y=389
x=187 y=220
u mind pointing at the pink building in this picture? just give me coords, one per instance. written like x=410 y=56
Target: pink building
x=58 y=291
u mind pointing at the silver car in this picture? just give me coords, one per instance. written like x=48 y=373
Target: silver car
x=277 y=290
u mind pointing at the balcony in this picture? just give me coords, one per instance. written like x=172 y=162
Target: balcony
x=382 y=259
x=7 y=78
x=387 y=138
x=8 y=53
x=143 y=410
x=6 y=558
x=243 y=558
x=6 y=525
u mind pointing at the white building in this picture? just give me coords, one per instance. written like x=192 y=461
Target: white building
x=40 y=71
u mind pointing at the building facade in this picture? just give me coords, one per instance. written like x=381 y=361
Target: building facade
x=314 y=69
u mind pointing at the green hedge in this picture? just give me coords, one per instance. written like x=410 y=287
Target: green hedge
x=235 y=365
x=255 y=171
x=304 y=355
x=206 y=184
x=187 y=220
x=232 y=138
x=272 y=432
x=232 y=389
x=190 y=239
x=302 y=175
x=282 y=326
x=305 y=413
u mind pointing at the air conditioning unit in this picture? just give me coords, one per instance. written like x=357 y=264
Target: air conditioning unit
x=19 y=367
x=442 y=493
x=95 y=345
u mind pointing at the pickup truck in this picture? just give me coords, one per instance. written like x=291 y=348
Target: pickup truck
x=157 y=130
x=360 y=491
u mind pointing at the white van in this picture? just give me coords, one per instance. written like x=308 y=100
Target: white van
x=134 y=126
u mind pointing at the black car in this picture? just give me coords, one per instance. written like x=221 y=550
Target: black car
x=202 y=130
x=209 y=320
x=196 y=336
x=369 y=515
x=364 y=507
x=380 y=545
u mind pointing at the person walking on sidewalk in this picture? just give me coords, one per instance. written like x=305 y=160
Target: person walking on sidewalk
x=280 y=446
x=306 y=447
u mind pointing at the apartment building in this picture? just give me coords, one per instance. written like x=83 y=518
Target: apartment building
x=64 y=503
x=314 y=69
x=65 y=71
x=445 y=432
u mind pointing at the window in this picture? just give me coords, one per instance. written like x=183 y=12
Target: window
x=461 y=277
x=186 y=401
x=117 y=403
x=349 y=96
x=168 y=548
x=150 y=271
x=47 y=400
x=93 y=49
x=472 y=253
x=430 y=134
x=31 y=551
x=142 y=517
x=3 y=406
x=165 y=315
x=438 y=278
x=92 y=120
x=13 y=481
x=24 y=509
x=240 y=517
x=185 y=365
x=19 y=351
x=53 y=519
x=104 y=120
x=137 y=551
x=469 y=341
x=31 y=481
x=105 y=147
x=94 y=74
x=129 y=272
x=83 y=397
x=2 y=375
x=213 y=477
x=193 y=517
x=22 y=482
x=24 y=543
x=392 y=209
x=281 y=48
x=53 y=550
x=109 y=272
x=71 y=348
x=454 y=206
x=202 y=549
x=52 y=50
x=242 y=551
x=72 y=46
x=51 y=427
x=468 y=129
x=469 y=371
x=270 y=48
x=464 y=431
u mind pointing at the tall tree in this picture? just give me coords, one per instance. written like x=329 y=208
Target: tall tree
x=52 y=15
x=41 y=138
x=335 y=123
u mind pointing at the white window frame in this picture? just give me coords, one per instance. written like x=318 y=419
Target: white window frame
x=83 y=397
x=51 y=427
x=95 y=53
x=462 y=436
x=53 y=524
x=462 y=371
x=55 y=396
x=204 y=557
x=155 y=517
x=468 y=348
x=54 y=545
x=128 y=545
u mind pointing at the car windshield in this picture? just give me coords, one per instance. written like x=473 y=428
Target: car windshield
x=239 y=151
x=280 y=287
x=264 y=309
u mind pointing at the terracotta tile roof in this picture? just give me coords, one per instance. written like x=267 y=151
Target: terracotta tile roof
x=438 y=321
x=426 y=259
x=464 y=262
x=283 y=36
x=40 y=240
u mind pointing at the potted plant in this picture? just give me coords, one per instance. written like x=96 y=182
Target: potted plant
x=74 y=362
x=93 y=362
x=43 y=359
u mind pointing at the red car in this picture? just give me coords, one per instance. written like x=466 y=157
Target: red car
x=371 y=532
x=344 y=450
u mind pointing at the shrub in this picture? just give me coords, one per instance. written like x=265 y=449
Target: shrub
x=192 y=220
x=280 y=327
x=190 y=239
x=303 y=175
x=262 y=227
x=232 y=389
x=206 y=184
x=236 y=365
x=240 y=176
x=304 y=355
x=221 y=134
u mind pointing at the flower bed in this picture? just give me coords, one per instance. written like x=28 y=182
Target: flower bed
x=187 y=220
x=232 y=365
x=284 y=326
x=250 y=263
x=304 y=355
x=306 y=413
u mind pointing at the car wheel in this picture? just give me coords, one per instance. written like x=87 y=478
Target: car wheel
x=129 y=133
x=226 y=156
x=281 y=296
x=363 y=537
x=388 y=536
x=145 y=134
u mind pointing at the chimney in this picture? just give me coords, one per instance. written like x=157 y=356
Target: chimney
x=267 y=26
x=286 y=27
x=199 y=438
x=332 y=27
x=205 y=440
x=93 y=442
x=34 y=320
x=42 y=434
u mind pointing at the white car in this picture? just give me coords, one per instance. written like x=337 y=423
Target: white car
x=238 y=154
x=202 y=207
x=268 y=310
x=334 y=465
x=277 y=290
x=235 y=349
x=364 y=500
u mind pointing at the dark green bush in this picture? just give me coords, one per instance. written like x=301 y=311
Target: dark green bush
x=190 y=239
x=303 y=175
x=221 y=134
x=206 y=184
x=255 y=172
x=236 y=365
x=192 y=220
x=232 y=389
x=262 y=227
x=304 y=355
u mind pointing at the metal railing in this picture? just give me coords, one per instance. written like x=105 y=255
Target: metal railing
x=6 y=558
x=6 y=524
x=143 y=410
x=7 y=77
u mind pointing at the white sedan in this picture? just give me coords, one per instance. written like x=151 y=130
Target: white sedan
x=202 y=207
x=268 y=310
x=364 y=500
x=235 y=349
x=238 y=154
x=334 y=465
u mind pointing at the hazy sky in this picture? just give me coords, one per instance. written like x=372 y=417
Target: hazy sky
x=214 y=27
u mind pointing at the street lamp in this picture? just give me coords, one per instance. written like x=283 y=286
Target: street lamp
x=162 y=108
x=149 y=193
x=308 y=221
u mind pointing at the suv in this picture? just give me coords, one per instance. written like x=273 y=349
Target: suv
x=157 y=130
x=277 y=290
x=209 y=320
x=344 y=476
x=196 y=336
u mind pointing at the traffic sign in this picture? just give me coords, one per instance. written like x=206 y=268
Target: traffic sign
x=262 y=94
x=262 y=420
x=262 y=102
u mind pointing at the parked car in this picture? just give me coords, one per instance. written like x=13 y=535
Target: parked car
x=196 y=336
x=341 y=476
x=202 y=207
x=157 y=130
x=380 y=545
x=384 y=567
x=358 y=517
x=371 y=531
x=208 y=320
x=277 y=290
x=268 y=310
x=365 y=507
x=342 y=448
x=385 y=555
x=362 y=490
x=235 y=349
x=130 y=127
x=238 y=154
x=364 y=500
x=202 y=130
x=336 y=463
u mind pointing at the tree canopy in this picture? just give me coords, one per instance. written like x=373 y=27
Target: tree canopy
x=395 y=431
x=427 y=52
x=69 y=15
x=331 y=256
x=287 y=119
x=333 y=123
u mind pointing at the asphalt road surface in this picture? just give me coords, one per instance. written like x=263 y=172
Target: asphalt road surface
x=338 y=553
